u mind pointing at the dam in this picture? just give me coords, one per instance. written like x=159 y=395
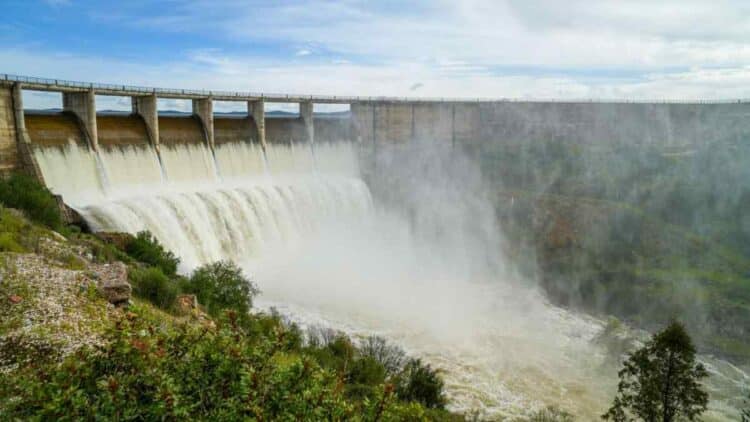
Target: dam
x=303 y=203
x=372 y=120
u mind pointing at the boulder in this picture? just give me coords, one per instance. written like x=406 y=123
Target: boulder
x=186 y=304
x=112 y=282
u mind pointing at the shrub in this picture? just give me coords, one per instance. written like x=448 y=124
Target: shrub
x=551 y=414
x=26 y=193
x=150 y=371
x=390 y=356
x=17 y=234
x=220 y=286
x=365 y=375
x=420 y=383
x=318 y=336
x=152 y=285
x=147 y=249
x=8 y=243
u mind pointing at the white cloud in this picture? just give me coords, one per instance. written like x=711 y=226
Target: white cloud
x=639 y=49
x=636 y=34
x=235 y=73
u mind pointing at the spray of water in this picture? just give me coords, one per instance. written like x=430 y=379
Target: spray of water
x=407 y=247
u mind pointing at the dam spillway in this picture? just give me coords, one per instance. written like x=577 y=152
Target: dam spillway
x=251 y=197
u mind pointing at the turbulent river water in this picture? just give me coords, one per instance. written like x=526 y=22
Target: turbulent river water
x=303 y=223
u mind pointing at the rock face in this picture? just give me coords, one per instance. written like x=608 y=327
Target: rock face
x=112 y=281
x=120 y=240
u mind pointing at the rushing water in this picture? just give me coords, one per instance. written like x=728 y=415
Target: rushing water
x=302 y=222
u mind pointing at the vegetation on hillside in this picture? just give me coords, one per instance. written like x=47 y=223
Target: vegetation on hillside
x=144 y=247
x=641 y=231
x=82 y=358
x=25 y=193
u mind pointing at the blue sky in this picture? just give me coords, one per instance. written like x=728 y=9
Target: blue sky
x=678 y=49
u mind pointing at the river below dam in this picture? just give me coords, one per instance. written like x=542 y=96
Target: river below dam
x=326 y=252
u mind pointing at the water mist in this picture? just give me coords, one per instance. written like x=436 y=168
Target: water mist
x=408 y=247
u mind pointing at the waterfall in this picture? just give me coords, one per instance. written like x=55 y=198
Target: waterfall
x=131 y=166
x=207 y=207
x=232 y=223
x=240 y=160
x=71 y=171
x=188 y=163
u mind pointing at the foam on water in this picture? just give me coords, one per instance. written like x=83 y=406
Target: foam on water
x=240 y=159
x=290 y=159
x=131 y=165
x=71 y=171
x=188 y=162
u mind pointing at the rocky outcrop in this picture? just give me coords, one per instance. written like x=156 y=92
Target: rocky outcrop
x=112 y=282
x=71 y=216
x=118 y=239
x=186 y=304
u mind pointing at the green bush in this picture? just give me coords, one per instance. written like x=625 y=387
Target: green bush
x=364 y=377
x=390 y=356
x=551 y=414
x=151 y=368
x=333 y=350
x=26 y=193
x=420 y=383
x=147 y=249
x=17 y=234
x=222 y=285
x=152 y=285
x=149 y=371
x=8 y=243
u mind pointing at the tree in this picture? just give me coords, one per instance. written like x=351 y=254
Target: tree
x=222 y=285
x=661 y=381
x=146 y=248
x=421 y=383
x=390 y=356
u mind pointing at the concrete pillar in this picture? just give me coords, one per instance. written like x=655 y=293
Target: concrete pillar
x=23 y=142
x=453 y=125
x=204 y=109
x=83 y=105
x=306 y=112
x=146 y=107
x=257 y=109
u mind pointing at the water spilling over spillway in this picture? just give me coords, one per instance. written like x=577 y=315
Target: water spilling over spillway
x=302 y=221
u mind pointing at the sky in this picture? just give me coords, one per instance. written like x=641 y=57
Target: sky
x=599 y=49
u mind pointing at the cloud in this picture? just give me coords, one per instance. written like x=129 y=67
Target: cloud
x=684 y=49
x=639 y=34
x=214 y=71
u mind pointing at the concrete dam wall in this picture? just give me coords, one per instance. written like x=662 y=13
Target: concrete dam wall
x=31 y=141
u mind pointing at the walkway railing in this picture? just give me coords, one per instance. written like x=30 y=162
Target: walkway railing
x=62 y=85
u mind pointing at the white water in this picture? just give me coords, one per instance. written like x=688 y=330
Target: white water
x=302 y=222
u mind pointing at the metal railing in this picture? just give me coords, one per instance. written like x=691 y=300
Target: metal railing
x=127 y=90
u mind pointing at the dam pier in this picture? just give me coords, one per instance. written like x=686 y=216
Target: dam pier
x=371 y=120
